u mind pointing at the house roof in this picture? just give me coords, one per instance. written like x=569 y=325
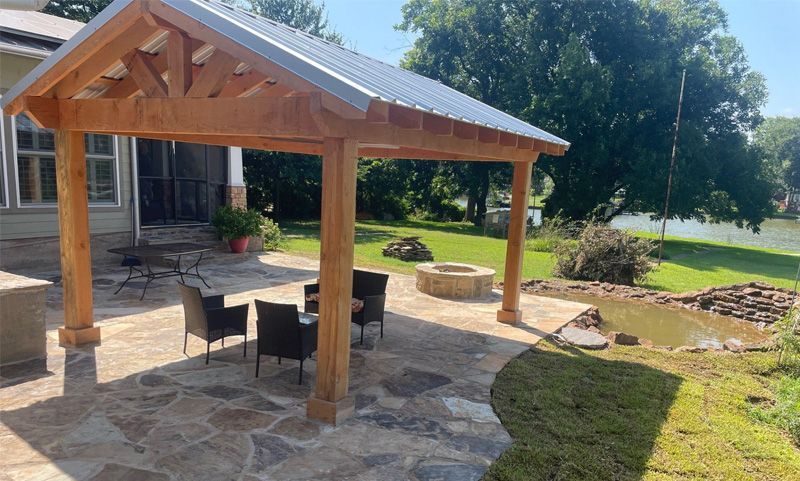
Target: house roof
x=350 y=76
x=38 y=24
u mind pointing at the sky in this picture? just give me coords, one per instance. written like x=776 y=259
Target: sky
x=768 y=29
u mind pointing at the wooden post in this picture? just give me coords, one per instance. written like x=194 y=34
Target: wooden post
x=329 y=402
x=515 y=248
x=73 y=221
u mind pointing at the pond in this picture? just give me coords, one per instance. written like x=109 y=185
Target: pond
x=775 y=233
x=667 y=326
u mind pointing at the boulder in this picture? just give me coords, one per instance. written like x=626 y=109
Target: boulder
x=648 y=343
x=733 y=345
x=582 y=338
x=622 y=339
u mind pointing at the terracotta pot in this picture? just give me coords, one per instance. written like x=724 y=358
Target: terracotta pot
x=239 y=245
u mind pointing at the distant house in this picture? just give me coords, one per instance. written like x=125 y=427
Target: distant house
x=140 y=190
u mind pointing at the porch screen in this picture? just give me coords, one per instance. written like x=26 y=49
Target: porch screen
x=180 y=183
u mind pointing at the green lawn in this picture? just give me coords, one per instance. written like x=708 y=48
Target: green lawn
x=631 y=413
x=691 y=264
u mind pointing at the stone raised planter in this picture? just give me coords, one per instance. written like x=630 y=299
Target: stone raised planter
x=22 y=318
x=454 y=280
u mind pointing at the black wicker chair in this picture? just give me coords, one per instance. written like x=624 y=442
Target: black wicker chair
x=209 y=319
x=369 y=287
x=281 y=334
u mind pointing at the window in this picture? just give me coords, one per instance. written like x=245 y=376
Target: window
x=36 y=166
x=180 y=183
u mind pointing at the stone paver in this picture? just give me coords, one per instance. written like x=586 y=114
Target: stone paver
x=134 y=408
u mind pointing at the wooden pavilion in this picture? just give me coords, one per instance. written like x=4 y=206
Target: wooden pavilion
x=202 y=71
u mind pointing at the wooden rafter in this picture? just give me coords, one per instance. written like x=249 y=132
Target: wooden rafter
x=103 y=60
x=127 y=87
x=243 y=84
x=179 y=61
x=145 y=74
x=214 y=75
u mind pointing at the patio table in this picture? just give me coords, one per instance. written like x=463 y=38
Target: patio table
x=145 y=254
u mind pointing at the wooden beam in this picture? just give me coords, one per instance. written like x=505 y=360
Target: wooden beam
x=275 y=90
x=281 y=116
x=524 y=142
x=243 y=84
x=297 y=146
x=539 y=145
x=179 y=61
x=436 y=124
x=391 y=134
x=515 y=247
x=145 y=74
x=127 y=87
x=488 y=136
x=99 y=39
x=552 y=149
x=73 y=222
x=216 y=72
x=103 y=60
x=43 y=111
x=464 y=130
x=507 y=138
x=378 y=112
x=337 y=232
x=404 y=117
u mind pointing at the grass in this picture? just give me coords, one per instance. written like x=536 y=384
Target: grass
x=631 y=413
x=691 y=264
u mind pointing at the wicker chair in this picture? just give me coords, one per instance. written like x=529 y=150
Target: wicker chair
x=281 y=334
x=369 y=287
x=209 y=319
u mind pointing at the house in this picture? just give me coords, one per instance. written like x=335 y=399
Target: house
x=140 y=190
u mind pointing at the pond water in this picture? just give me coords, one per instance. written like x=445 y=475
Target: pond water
x=666 y=326
x=775 y=233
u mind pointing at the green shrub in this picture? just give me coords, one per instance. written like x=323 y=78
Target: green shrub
x=271 y=233
x=234 y=222
x=604 y=254
x=548 y=235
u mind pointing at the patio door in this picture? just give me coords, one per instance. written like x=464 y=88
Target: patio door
x=180 y=183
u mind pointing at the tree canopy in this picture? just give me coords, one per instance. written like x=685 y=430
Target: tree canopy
x=605 y=75
x=80 y=10
x=779 y=138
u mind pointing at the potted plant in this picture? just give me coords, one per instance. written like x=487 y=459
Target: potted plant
x=237 y=225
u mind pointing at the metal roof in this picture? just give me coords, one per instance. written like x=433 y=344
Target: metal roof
x=355 y=78
x=351 y=76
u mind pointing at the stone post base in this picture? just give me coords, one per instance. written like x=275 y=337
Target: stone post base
x=330 y=412
x=509 y=317
x=77 y=337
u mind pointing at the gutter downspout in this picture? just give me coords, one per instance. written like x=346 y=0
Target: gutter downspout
x=135 y=224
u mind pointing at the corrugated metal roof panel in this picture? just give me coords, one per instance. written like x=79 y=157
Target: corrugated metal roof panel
x=353 y=77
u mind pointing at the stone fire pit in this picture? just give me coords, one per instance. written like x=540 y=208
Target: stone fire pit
x=454 y=280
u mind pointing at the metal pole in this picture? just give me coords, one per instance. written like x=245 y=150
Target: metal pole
x=671 y=167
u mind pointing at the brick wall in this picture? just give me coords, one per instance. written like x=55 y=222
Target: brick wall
x=236 y=195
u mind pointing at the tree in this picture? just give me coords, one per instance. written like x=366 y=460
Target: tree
x=779 y=138
x=288 y=184
x=605 y=76
x=80 y=10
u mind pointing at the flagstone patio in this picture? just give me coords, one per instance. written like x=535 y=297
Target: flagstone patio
x=135 y=408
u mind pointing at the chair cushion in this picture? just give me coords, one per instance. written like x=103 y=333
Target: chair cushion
x=356 y=305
